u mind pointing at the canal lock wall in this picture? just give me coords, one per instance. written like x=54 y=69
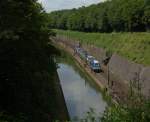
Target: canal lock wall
x=60 y=111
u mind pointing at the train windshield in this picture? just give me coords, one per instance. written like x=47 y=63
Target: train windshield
x=96 y=64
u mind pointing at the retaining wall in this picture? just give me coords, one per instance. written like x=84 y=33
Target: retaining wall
x=130 y=71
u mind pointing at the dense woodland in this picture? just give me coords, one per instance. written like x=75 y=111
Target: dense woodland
x=26 y=70
x=108 y=16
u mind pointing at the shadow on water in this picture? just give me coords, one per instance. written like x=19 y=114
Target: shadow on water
x=80 y=92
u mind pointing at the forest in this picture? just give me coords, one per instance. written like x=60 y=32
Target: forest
x=27 y=69
x=108 y=16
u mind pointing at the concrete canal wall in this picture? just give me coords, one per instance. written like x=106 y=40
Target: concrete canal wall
x=61 y=112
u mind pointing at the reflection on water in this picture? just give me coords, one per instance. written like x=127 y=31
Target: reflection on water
x=79 y=95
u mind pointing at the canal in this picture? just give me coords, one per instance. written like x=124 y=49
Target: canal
x=81 y=93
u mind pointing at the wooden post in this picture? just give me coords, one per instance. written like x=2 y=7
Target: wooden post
x=108 y=77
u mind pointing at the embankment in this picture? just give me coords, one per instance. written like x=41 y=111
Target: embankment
x=121 y=70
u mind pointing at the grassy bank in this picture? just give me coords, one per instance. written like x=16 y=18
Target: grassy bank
x=134 y=46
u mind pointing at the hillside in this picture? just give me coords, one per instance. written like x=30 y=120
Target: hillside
x=134 y=46
x=108 y=16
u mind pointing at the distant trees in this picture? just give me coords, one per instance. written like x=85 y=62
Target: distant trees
x=146 y=18
x=108 y=16
x=147 y=2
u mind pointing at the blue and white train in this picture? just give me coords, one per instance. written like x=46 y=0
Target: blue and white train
x=90 y=60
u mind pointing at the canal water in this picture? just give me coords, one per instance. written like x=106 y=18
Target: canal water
x=80 y=92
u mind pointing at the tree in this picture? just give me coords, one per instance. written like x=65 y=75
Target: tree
x=146 y=17
x=25 y=63
x=147 y=2
x=108 y=16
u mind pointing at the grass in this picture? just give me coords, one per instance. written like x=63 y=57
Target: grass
x=133 y=46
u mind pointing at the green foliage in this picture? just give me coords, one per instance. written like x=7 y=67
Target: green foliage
x=136 y=109
x=146 y=18
x=26 y=69
x=17 y=118
x=108 y=16
x=147 y=2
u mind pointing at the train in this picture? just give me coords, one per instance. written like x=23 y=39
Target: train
x=90 y=60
